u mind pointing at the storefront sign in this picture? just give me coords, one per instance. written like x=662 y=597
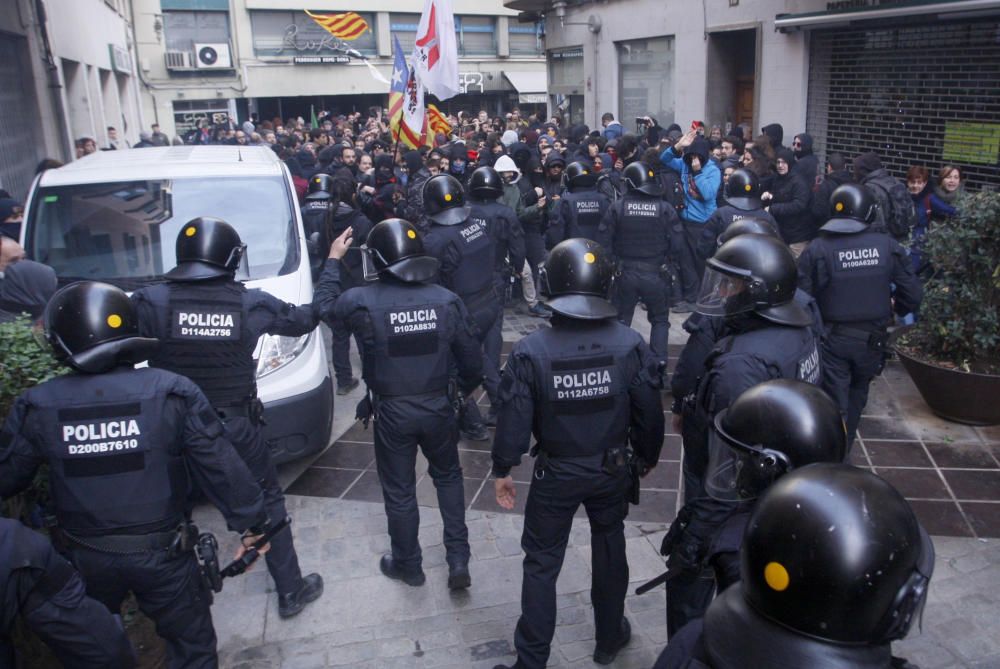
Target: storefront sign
x=291 y=40
x=977 y=143
x=470 y=82
x=320 y=60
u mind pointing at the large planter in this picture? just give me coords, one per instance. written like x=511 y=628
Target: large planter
x=963 y=397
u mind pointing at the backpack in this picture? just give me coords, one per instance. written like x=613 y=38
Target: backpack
x=895 y=206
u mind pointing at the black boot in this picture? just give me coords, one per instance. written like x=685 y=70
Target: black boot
x=390 y=569
x=608 y=656
x=292 y=604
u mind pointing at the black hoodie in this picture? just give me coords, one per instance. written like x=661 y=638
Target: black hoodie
x=776 y=133
x=806 y=165
x=26 y=288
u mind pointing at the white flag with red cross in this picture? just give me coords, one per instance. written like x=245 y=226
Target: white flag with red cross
x=435 y=52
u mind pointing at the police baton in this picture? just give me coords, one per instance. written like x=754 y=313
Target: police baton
x=242 y=563
x=671 y=572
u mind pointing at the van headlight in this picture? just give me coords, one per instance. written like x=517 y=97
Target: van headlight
x=277 y=351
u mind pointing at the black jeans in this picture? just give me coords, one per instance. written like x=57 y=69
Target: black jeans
x=402 y=424
x=649 y=286
x=849 y=365
x=555 y=494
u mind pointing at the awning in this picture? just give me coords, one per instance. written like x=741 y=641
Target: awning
x=839 y=17
x=531 y=87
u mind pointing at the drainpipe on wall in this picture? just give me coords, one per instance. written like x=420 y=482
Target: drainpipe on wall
x=55 y=85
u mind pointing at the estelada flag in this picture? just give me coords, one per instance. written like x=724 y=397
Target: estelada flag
x=404 y=94
x=349 y=26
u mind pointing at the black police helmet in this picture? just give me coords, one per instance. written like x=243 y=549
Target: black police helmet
x=486 y=183
x=835 y=553
x=578 y=175
x=743 y=190
x=641 y=178
x=92 y=327
x=396 y=248
x=769 y=430
x=444 y=200
x=751 y=225
x=207 y=248
x=852 y=209
x=320 y=187
x=577 y=278
x=752 y=273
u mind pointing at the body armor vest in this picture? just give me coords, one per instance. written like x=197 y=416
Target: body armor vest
x=860 y=268
x=587 y=208
x=314 y=216
x=491 y=215
x=583 y=404
x=207 y=341
x=411 y=351
x=474 y=273
x=639 y=233
x=115 y=464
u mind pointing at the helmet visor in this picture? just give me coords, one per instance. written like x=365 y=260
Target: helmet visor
x=240 y=263
x=368 y=268
x=738 y=473
x=723 y=294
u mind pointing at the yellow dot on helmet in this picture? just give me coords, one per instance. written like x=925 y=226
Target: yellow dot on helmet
x=411 y=234
x=115 y=321
x=776 y=576
x=748 y=188
x=839 y=206
x=447 y=197
x=583 y=172
x=190 y=231
x=651 y=173
x=589 y=258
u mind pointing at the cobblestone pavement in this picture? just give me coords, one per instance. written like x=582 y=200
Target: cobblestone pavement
x=365 y=620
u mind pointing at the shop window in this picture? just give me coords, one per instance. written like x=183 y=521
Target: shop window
x=295 y=33
x=646 y=79
x=526 y=40
x=474 y=35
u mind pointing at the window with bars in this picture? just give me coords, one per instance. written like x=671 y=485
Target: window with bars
x=526 y=40
x=475 y=35
x=915 y=94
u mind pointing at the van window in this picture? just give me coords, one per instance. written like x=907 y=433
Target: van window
x=124 y=232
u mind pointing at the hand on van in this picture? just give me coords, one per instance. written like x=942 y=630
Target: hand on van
x=338 y=249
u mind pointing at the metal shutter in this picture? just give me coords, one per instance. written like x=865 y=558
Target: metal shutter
x=917 y=94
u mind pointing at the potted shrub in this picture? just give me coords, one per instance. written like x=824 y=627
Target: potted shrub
x=953 y=352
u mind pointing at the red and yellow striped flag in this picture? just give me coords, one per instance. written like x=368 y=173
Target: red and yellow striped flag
x=348 y=26
x=437 y=122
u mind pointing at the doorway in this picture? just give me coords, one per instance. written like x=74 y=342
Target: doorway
x=731 y=78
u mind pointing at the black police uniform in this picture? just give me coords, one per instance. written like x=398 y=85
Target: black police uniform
x=851 y=271
x=343 y=217
x=41 y=587
x=468 y=255
x=585 y=388
x=579 y=214
x=725 y=216
x=638 y=233
x=504 y=229
x=208 y=331
x=412 y=335
x=120 y=448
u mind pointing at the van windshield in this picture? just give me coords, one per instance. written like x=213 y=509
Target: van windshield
x=124 y=232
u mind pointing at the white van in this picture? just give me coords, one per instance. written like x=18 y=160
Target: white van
x=114 y=216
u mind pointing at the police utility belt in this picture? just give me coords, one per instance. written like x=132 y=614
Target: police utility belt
x=876 y=338
x=176 y=542
x=644 y=265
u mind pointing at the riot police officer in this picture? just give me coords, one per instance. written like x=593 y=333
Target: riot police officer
x=219 y=359
x=704 y=331
x=345 y=213
x=121 y=444
x=750 y=281
x=742 y=201
x=855 y=273
x=504 y=228
x=577 y=386
x=414 y=333
x=467 y=255
x=580 y=209
x=834 y=568
x=315 y=215
x=41 y=587
x=769 y=430
x=638 y=232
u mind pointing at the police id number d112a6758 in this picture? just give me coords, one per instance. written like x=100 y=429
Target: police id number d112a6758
x=582 y=385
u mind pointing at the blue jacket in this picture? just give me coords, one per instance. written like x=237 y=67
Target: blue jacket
x=614 y=130
x=707 y=181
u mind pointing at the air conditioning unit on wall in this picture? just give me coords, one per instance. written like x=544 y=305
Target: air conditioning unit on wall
x=212 y=56
x=179 y=60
